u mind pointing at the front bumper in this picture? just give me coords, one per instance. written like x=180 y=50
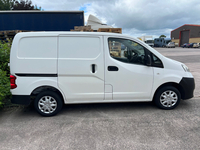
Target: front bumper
x=188 y=86
x=21 y=99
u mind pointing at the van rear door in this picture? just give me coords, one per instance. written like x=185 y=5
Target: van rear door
x=81 y=67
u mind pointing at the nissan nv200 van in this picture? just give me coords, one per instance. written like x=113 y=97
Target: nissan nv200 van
x=56 y=68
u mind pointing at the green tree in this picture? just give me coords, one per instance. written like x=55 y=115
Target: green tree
x=6 y=4
x=162 y=36
x=24 y=5
x=18 y=5
x=38 y=8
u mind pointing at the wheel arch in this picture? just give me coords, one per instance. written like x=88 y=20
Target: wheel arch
x=173 y=84
x=43 y=88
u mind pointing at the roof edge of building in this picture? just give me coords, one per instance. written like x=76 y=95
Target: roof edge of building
x=186 y=25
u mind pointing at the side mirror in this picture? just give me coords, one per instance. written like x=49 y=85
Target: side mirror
x=148 y=61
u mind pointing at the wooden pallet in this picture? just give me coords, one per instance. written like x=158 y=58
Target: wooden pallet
x=115 y=54
x=113 y=30
x=82 y=28
x=9 y=34
x=88 y=29
x=114 y=46
x=115 y=49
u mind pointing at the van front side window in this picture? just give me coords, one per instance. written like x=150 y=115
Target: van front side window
x=127 y=51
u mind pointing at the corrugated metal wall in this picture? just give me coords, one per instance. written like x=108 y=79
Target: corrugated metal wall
x=184 y=37
x=40 y=20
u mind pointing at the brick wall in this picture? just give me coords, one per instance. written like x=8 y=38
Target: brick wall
x=194 y=40
x=176 y=41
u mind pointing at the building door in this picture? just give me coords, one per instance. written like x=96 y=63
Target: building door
x=184 y=37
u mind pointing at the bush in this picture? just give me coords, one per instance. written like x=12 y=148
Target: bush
x=4 y=56
x=4 y=88
x=4 y=72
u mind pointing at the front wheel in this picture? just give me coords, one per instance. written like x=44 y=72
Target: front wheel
x=48 y=103
x=167 y=98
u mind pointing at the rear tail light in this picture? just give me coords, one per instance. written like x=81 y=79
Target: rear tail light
x=12 y=82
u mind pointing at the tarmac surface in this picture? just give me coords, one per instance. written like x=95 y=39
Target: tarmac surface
x=113 y=126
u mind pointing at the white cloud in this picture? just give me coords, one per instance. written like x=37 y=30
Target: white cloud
x=135 y=17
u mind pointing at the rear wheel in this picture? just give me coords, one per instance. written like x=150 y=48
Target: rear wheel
x=48 y=103
x=167 y=98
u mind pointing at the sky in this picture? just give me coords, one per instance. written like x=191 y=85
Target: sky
x=135 y=17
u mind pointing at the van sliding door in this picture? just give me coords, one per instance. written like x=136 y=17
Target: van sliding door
x=81 y=67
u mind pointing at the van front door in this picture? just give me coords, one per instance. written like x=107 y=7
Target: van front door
x=81 y=67
x=127 y=76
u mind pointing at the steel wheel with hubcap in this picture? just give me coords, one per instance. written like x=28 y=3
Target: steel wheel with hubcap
x=48 y=103
x=167 y=97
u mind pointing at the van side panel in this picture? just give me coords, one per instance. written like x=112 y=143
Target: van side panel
x=36 y=53
x=26 y=85
x=33 y=60
x=81 y=68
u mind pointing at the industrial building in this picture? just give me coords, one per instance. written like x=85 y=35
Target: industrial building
x=40 y=20
x=187 y=33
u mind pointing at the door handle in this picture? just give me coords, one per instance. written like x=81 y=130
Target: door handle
x=113 y=68
x=93 y=68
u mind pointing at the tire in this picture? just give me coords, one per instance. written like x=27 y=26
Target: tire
x=169 y=102
x=48 y=103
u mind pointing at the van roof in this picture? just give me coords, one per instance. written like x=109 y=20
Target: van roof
x=57 y=33
x=53 y=33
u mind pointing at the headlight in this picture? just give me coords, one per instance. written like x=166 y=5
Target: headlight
x=185 y=68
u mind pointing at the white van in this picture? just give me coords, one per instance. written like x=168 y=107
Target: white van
x=56 y=68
